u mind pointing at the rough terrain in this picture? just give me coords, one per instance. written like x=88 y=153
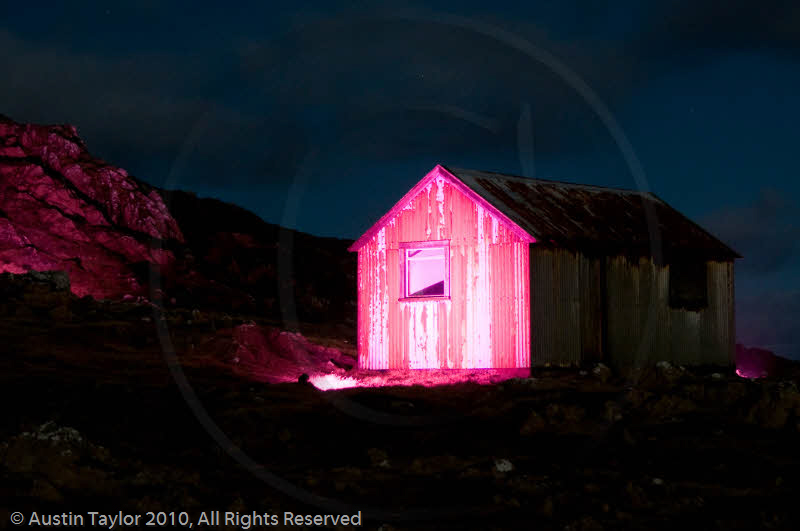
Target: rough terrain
x=96 y=420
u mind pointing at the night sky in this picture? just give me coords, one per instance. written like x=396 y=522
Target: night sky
x=320 y=118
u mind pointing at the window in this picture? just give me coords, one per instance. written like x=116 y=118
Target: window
x=687 y=285
x=425 y=269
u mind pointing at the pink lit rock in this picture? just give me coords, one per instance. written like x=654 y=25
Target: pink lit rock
x=752 y=362
x=62 y=209
x=275 y=356
x=418 y=377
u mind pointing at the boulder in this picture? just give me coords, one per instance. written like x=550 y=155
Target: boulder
x=273 y=355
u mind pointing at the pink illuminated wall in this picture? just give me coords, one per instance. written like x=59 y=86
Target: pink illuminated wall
x=484 y=323
x=425 y=271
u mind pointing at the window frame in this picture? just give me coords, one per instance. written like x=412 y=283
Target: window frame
x=404 y=248
x=692 y=273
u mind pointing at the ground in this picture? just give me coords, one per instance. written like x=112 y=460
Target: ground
x=95 y=421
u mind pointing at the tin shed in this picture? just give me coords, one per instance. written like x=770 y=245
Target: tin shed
x=483 y=270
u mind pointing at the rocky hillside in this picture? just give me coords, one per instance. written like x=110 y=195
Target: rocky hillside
x=115 y=235
x=62 y=209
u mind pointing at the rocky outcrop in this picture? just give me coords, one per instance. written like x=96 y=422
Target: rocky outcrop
x=62 y=209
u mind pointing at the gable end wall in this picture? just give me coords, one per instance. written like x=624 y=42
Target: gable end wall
x=485 y=322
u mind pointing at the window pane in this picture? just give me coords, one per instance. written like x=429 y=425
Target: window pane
x=425 y=270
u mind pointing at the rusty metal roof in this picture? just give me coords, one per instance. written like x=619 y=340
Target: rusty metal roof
x=594 y=218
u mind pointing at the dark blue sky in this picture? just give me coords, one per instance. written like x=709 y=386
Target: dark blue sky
x=320 y=118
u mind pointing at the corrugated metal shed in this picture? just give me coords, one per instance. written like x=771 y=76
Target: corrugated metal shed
x=594 y=218
x=544 y=272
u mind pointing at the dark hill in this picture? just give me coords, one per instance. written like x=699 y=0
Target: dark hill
x=231 y=254
x=63 y=209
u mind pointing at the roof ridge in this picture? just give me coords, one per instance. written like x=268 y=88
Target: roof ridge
x=495 y=174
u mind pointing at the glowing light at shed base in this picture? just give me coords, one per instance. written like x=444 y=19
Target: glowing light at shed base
x=419 y=377
x=750 y=374
x=326 y=382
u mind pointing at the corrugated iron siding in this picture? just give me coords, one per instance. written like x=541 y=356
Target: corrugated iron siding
x=486 y=321
x=638 y=313
x=566 y=316
x=643 y=328
x=713 y=327
x=567 y=312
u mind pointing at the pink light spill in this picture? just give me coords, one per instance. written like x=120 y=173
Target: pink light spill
x=751 y=374
x=420 y=377
x=754 y=362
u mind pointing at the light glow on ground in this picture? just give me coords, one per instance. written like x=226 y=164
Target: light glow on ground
x=421 y=377
x=751 y=373
x=326 y=382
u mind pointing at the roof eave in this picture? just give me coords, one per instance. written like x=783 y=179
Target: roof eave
x=733 y=254
x=475 y=196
